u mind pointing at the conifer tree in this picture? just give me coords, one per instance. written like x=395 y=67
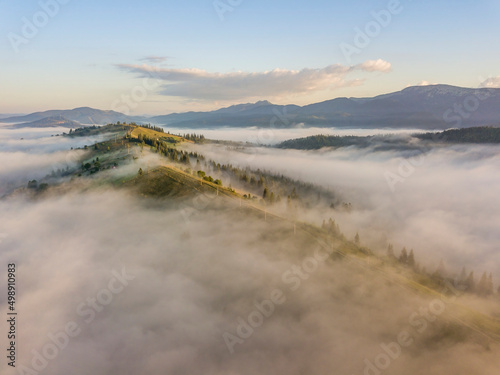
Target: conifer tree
x=469 y=282
x=403 y=258
x=390 y=251
x=411 y=259
x=265 y=193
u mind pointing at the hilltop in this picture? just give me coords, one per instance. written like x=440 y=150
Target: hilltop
x=49 y=122
x=81 y=115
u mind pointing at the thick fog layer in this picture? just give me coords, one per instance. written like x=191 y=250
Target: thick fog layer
x=107 y=285
x=43 y=140
x=270 y=135
x=442 y=202
x=110 y=284
x=29 y=154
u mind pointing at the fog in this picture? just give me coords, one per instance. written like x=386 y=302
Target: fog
x=186 y=284
x=31 y=153
x=441 y=202
x=41 y=140
x=270 y=136
x=145 y=289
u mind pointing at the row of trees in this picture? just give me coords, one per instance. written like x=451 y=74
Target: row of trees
x=482 y=134
x=204 y=176
x=84 y=131
x=164 y=149
x=34 y=185
x=464 y=282
x=271 y=187
x=196 y=138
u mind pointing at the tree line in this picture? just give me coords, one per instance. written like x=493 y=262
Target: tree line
x=480 y=134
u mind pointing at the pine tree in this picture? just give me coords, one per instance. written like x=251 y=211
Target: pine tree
x=485 y=286
x=482 y=286
x=463 y=275
x=490 y=284
x=265 y=193
x=356 y=239
x=462 y=280
x=403 y=258
x=469 y=282
x=411 y=259
x=390 y=252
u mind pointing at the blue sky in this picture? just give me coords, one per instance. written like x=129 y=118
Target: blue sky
x=98 y=53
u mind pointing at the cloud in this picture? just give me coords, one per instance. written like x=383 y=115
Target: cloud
x=376 y=66
x=200 y=84
x=425 y=83
x=189 y=283
x=421 y=213
x=154 y=59
x=28 y=154
x=269 y=137
x=421 y=83
x=172 y=312
x=491 y=82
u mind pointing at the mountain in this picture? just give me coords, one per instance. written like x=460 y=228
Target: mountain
x=241 y=115
x=50 y=122
x=6 y=115
x=420 y=107
x=425 y=107
x=83 y=115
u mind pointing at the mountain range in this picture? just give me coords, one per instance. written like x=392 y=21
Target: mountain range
x=83 y=115
x=424 y=107
x=49 y=122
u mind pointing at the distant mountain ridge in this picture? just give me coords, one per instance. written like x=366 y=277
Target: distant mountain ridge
x=425 y=107
x=6 y=115
x=49 y=122
x=421 y=107
x=83 y=115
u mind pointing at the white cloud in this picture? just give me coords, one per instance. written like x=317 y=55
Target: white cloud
x=491 y=82
x=376 y=66
x=421 y=83
x=424 y=83
x=436 y=224
x=200 y=84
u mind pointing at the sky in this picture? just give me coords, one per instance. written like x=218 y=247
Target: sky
x=158 y=57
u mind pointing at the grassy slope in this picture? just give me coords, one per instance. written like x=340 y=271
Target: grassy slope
x=154 y=134
x=169 y=181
